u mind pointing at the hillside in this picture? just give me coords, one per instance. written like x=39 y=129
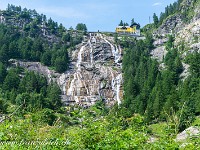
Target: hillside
x=167 y=86
x=177 y=16
x=182 y=20
x=94 y=73
x=29 y=36
x=70 y=89
x=176 y=49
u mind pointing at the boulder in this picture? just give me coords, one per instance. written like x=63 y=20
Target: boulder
x=187 y=133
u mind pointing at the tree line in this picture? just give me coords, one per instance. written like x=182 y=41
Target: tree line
x=29 y=36
x=159 y=93
x=176 y=7
x=20 y=87
x=21 y=38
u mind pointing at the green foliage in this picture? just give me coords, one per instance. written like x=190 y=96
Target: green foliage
x=155 y=20
x=66 y=37
x=3 y=72
x=81 y=27
x=11 y=81
x=99 y=132
x=45 y=116
x=60 y=65
x=196 y=121
x=53 y=95
x=186 y=13
x=157 y=94
x=121 y=23
x=169 y=43
x=194 y=61
x=32 y=37
x=170 y=10
x=101 y=107
x=31 y=92
x=3 y=106
x=32 y=82
x=149 y=41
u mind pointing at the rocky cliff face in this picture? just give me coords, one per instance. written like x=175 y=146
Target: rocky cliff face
x=94 y=74
x=189 y=35
x=172 y=24
x=186 y=33
x=175 y=22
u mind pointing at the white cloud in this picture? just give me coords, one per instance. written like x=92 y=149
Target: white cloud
x=157 y=4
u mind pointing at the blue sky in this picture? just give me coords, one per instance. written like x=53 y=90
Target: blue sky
x=103 y=15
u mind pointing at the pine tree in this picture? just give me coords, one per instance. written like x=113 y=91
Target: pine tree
x=4 y=56
x=3 y=106
x=170 y=43
x=3 y=72
x=132 y=21
x=155 y=20
x=121 y=23
x=172 y=102
x=11 y=81
x=81 y=27
x=53 y=94
x=178 y=68
x=186 y=114
x=46 y=57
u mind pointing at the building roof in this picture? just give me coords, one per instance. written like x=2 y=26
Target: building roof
x=135 y=24
x=123 y=27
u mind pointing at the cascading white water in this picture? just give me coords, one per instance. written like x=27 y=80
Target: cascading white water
x=118 y=81
x=61 y=82
x=118 y=54
x=113 y=79
x=78 y=65
x=92 y=75
x=91 y=52
x=77 y=74
x=116 y=84
x=115 y=51
x=83 y=88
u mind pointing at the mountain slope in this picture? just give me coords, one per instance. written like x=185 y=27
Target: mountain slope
x=177 y=16
x=168 y=87
x=29 y=36
x=94 y=73
x=154 y=105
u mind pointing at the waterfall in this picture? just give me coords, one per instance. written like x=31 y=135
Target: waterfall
x=77 y=74
x=85 y=87
x=118 y=81
x=78 y=65
x=115 y=51
x=70 y=90
x=61 y=82
x=118 y=53
x=116 y=84
x=91 y=49
x=88 y=80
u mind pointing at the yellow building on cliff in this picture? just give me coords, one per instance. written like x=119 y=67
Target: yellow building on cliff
x=134 y=29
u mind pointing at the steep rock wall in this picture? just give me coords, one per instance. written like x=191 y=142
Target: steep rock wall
x=94 y=74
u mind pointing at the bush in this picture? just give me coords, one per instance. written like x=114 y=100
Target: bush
x=45 y=116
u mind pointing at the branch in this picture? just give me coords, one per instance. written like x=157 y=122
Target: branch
x=1 y=121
